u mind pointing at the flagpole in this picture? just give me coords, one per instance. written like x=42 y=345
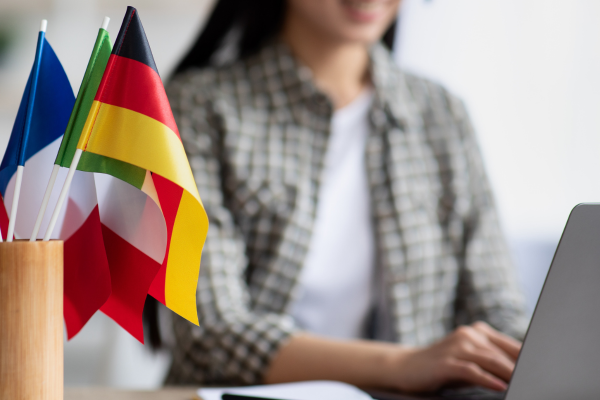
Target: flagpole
x=63 y=194
x=15 y=204
x=40 y=217
x=28 y=116
x=50 y=187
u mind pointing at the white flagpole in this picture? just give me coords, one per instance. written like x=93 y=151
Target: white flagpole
x=20 y=168
x=63 y=194
x=15 y=204
x=40 y=217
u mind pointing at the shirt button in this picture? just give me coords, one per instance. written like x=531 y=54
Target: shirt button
x=305 y=74
x=378 y=117
x=319 y=104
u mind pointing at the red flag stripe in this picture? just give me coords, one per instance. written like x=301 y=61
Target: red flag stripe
x=145 y=93
x=169 y=195
x=87 y=283
x=131 y=273
x=3 y=219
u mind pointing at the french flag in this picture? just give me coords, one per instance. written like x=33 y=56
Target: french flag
x=41 y=121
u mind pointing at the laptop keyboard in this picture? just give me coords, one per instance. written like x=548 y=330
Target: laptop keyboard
x=445 y=394
x=471 y=394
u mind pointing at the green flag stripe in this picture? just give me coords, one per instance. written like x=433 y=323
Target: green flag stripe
x=85 y=97
x=126 y=172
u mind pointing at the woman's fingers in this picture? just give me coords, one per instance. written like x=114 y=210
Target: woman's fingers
x=469 y=372
x=510 y=346
x=476 y=355
x=473 y=344
x=469 y=339
x=492 y=362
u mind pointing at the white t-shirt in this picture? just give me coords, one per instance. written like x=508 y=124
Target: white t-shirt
x=336 y=282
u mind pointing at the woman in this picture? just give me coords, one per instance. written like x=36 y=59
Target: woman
x=353 y=235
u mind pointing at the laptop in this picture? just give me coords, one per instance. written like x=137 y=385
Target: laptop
x=560 y=358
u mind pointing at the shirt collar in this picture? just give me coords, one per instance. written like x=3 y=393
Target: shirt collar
x=275 y=68
x=390 y=84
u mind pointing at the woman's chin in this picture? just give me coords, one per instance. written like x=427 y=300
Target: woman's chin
x=368 y=11
x=359 y=34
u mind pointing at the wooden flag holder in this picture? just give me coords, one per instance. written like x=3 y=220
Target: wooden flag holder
x=31 y=320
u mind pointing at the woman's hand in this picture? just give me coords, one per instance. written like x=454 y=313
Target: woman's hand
x=476 y=355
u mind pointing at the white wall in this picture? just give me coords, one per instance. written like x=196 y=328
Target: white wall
x=528 y=71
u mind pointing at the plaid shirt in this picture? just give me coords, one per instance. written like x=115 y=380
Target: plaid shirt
x=256 y=132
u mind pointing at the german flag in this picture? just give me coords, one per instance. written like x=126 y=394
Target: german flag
x=130 y=133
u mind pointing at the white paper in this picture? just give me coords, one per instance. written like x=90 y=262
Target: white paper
x=311 y=390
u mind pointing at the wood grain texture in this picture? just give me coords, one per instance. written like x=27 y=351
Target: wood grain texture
x=31 y=316
x=115 y=394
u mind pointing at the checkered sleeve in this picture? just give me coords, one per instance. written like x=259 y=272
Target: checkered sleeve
x=233 y=344
x=488 y=288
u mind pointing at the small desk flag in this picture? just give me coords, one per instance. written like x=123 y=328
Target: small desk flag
x=87 y=275
x=49 y=99
x=154 y=224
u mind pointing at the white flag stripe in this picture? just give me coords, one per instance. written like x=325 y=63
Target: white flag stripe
x=35 y=177
x=132 y=215
x=82 y=196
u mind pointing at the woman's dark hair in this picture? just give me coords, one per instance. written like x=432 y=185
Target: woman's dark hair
x=257 y=20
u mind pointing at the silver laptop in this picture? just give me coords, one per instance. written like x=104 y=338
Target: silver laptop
x=560 y=358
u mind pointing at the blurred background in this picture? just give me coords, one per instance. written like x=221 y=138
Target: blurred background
x=527 y=69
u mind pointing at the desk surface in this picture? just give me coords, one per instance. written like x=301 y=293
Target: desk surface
x=99 y=393
x=73 y=393
x=189 y=393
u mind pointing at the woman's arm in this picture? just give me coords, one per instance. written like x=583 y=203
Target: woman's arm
x=488 y=287
x=233 y=344
x=476 y=354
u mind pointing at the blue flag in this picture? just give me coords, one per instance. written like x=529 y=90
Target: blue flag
x=53 y=101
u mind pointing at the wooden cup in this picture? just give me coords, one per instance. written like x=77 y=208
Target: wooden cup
x=31 y=320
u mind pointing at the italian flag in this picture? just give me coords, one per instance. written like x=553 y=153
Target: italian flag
x=87 y=274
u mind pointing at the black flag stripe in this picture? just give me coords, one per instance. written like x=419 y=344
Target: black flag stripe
x=132 y=42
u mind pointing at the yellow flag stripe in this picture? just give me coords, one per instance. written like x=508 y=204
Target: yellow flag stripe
x=183 y=265
x=89 y=124
x=137 y=139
